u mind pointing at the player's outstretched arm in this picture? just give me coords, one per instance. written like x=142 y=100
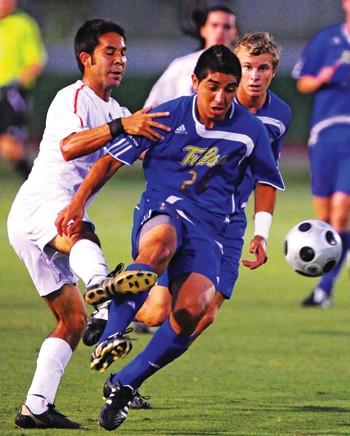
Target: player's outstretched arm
x=265 y=200
x=308 y=84
x=86 y=142
x=71 y=216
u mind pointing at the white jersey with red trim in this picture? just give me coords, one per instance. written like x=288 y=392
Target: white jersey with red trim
x=74 y=109
x=53 y=180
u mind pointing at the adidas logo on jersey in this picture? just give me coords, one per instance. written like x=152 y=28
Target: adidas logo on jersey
x=181 y=130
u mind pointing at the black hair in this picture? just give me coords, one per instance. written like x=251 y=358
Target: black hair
x=87 y=36
x=218 y=59
x=199 y=18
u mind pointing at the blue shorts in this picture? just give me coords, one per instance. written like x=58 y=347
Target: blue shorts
x=329 y=164
x=233 y=245
x=197 y=250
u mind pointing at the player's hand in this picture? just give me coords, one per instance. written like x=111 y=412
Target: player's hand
x=257 y=247
x=69 y=219
x=141 y=123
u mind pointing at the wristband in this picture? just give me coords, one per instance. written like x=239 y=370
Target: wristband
x=116 y=127
x=262 y=223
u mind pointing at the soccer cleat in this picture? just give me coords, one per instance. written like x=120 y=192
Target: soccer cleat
x=49 y=419
x=96 y=324
x=133 y=281
x=318 y=298
x=140 y=402
x=137 y=402
x=116 y=408
x=113 y=348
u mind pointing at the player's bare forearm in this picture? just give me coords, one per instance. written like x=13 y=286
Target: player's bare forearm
x=142 y=123
x=308 y=84
x=97 y=177
x=265 y=198
x=71 y=216
x=86 y=142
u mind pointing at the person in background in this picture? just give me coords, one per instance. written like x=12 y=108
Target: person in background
x=324 y=70
x=81 y=120
x=214 y=25
x=22 y=58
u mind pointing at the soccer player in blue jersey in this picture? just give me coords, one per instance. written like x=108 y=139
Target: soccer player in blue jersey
x=192 y=178
x=259 y=56
x=324 y=69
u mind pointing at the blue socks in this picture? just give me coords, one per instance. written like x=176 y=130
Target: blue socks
x=122 y=311
x=164 y=347
x=139 y=266
x=327 y=281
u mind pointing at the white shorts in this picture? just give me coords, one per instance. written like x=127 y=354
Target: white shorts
x=31 y=226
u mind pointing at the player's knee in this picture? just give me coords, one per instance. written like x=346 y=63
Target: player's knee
x=153 y=318
x=85 y=231
x=340 y=212
x=161 y=315
x=187 y=319
x=89 y=235
x=340 y=221
x=159 y=257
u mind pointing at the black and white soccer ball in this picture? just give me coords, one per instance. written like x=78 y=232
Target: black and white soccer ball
x=312 y=248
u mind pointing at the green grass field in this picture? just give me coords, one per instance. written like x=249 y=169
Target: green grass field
x=266 y=366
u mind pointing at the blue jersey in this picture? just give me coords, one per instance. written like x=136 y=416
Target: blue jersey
x=331 y=108
x=275 y=114
x=201 y=167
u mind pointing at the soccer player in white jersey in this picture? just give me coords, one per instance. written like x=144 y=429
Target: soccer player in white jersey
x=259 y=56
x=80 y=121
x=324 y=69
x=192 y=175
x=215 y=25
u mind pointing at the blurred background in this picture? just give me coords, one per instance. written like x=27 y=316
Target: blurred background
x=154 y=39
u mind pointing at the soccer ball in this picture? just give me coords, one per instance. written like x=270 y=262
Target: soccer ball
x=312 y=248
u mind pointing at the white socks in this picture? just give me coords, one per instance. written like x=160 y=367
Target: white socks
x=88 y=262
x=53 y=357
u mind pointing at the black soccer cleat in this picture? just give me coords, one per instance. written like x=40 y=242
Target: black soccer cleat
x=134 y=281
x=96 y=324
x=138 y=401
x=318 y=300
x=49 y=419
x=115 y=347
x=115 y=411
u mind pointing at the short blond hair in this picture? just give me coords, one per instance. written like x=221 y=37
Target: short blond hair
x=259 y=43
